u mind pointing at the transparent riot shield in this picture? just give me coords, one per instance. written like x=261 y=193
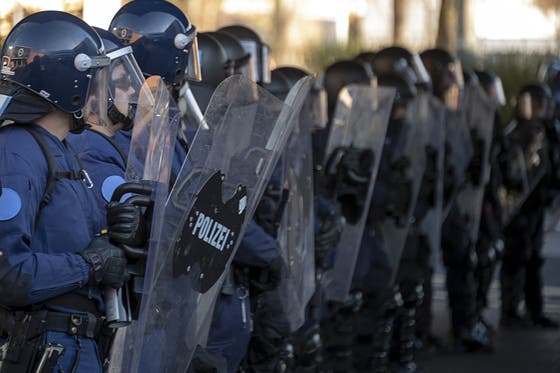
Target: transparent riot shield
x=149 y=158
x=458 y=155
x=400 y=178
x=215 y=195
x=429 y=209
x=479 y=111
x=526 y=165
x=296 y=231
x=354 y=149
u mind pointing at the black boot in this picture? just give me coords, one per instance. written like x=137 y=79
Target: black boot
x=407 y=327
x=475 y=338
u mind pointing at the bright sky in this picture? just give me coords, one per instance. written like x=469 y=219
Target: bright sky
x=511 y=19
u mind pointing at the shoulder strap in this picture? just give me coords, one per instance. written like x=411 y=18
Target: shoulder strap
x=51 y=166
x=53 y=173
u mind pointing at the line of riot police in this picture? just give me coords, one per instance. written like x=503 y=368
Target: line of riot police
x=208 y=214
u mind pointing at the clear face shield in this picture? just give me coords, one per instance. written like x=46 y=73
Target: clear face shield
x=315 y=110
x=122 y=80
x=524 y=107
x=265 y=63
x=260 y=59
x=420 y=70
x=452 y=95
x=193 y=71
x=529 y=108
x=244 y=66
x=95 y=109
x=496 y=91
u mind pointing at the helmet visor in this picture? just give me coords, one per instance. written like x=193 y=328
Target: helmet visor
x=316 y=107
x=244 y=66
x=265 y=64
x=193 y=71
x=420 y=70
x=496 y=90
x=122 y=81
x=95 y=109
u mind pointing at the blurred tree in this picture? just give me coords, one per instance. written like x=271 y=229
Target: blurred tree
x=447 y=29
x=400 y=13
x=281 y=25
x=551 y=7
x=204 y=14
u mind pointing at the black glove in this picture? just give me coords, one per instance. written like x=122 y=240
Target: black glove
x=330 y=231
x=276 y=269
x=127 y=224
x=107 y=262
x=268 y=278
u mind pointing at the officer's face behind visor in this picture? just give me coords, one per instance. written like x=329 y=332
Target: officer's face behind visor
x=122 y=81
x=534 y=108
x=260 y=59
x=452 y=94
x=244 y=66
x=315 y=109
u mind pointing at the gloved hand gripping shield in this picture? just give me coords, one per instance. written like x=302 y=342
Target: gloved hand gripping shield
x=353 y=151
x=295 y=233
x=479 y=110
x=215 y=195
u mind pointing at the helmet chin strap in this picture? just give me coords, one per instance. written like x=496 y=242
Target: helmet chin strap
x=117 y=117
x=78 y=123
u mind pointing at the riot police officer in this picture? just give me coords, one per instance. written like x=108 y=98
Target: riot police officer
x=54 y=264
x=469 y=331
x=520 y=275
x=172 y=55
x=490 y=245
x=232 y=323
x=338 y=187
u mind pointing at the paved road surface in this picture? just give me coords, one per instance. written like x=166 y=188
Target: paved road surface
x=517 y=351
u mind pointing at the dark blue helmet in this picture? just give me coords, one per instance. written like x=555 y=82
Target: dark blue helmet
x=54 y=55
x=316 y=102
x=110 y=41
x=444 y=69
x=367 y=57
x=400 y=61
x=343 y=73
x=279 y=85
x=534 y=102
x=492 y=84
x=242 y=61
x=163 y=39
x=252 y=43
x=215 y=64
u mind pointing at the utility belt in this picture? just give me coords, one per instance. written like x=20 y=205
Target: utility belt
x=26 y=349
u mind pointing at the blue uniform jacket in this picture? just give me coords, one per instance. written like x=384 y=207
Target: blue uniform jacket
x=104 y=162
x=122 y=139
x=41 y=261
